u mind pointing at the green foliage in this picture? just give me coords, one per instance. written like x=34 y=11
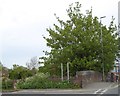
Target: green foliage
x=53 y=69
x=78 y=41
x=19 y=72
x=1 y=66
x=33 y=82
x=7 y=83
x=5 y=72
x=66 y=85
x=118 y=48
x=41 y=81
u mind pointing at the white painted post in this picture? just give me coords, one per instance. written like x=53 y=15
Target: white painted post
x=68 y=76
x=61 y=71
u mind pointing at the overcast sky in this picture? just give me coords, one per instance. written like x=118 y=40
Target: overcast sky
x=23 y=22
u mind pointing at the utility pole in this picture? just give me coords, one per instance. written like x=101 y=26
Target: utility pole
x=101 y=41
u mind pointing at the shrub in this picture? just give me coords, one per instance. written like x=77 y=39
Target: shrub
x=7 y=83
x=66 y=85
x=41 y=81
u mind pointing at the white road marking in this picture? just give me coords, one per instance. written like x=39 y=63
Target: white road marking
x=100 y=91
x=116 y=86
x=97 y=91
x=103 y=91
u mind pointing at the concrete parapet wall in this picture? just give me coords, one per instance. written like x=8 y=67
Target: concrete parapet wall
x=85 y=77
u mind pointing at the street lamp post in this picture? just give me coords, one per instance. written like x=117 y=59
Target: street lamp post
x=103 y=70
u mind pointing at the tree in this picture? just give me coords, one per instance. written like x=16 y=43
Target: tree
x=4 y=71
x=77 y=41
x=33 y=64
x=19 y=72
x=1 y=66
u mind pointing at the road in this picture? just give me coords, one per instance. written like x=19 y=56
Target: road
x=110 y=91
x=53 y=91
x=96 y=89
x=113 y=90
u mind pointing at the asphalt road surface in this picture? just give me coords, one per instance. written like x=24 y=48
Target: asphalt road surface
x=96 y=89
x=113 y=90
x=53 y=91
